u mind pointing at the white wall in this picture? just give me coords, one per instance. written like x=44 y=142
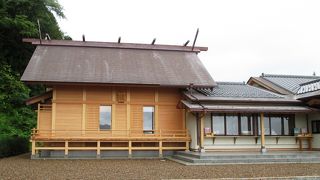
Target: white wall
x=248 y=142
x=191 y=124
x=316 y=137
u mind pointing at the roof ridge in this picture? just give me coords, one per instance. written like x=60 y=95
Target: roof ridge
x=288 y=76
x=230 y=83
x=101 y=44
x=309 y=82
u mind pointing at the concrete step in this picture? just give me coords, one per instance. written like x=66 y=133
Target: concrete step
x=246 y=160
x=192 y=158
x=247 y=156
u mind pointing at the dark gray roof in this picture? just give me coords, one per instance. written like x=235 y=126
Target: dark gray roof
x=225 y=108
x=116 y=65
x=288 y=82
x=237 y=90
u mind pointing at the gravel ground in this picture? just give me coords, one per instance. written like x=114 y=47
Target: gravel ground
x=21 y=167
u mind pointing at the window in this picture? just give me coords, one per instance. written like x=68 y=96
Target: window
x=218 y=124
x=278 y=125
x=148 y=118
x=249 y=124
x=232 y=125
x=246 y=125
x=105 y=117
x=316 y=126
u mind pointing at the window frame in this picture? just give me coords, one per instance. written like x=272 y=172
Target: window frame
x=107 y=105
x=255 y=122
x=153 y=120
x=313 y=123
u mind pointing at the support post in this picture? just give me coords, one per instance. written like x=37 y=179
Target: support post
x=38 y=116
x=66 y=149
x=33 y=149
x=263 y=144
x=160 y=149
x=187 y=146
x=130 y=149
x=156 y=110
x=202 y=132
x=84 y=108
x=53 y=111
x=98 y=150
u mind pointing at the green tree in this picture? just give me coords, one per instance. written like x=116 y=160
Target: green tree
x=18 y=20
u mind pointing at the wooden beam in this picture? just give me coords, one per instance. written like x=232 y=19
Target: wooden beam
x=263 y=143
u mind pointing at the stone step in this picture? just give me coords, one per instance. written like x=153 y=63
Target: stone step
x=248 y=156
x=246 y=160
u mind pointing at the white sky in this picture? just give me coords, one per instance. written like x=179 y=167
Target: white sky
x=245 y=37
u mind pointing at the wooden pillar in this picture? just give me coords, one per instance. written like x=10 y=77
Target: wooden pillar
x=113 y=109
x=98 y=149
x=187 y=146
x=263 y=143
x=84 y=105
x=38 y=116
x=184 y=126
x=33 y=148
x=160 y=149
x=53 y=111
x=202 y=132
x=128 y=111
x=130 y=149
x=66 y=149
x=156 y=110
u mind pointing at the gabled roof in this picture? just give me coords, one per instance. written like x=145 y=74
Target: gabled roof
x=235 y=91
x=116 y=63
x=238 y=90
x=284 y=84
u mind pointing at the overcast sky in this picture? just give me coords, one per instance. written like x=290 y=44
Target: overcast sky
x=245 y=37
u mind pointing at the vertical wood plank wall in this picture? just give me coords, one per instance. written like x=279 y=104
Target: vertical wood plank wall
x=77 y=108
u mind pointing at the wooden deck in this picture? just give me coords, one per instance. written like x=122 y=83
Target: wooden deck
x=112 y=140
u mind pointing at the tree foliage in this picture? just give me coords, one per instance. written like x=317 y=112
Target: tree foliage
x=18 y=19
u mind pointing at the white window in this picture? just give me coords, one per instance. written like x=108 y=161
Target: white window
x=105 y=117
x=148 y=119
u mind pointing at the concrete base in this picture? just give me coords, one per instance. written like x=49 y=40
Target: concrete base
x=263 y=150
x=202 y=150
x=89 y=154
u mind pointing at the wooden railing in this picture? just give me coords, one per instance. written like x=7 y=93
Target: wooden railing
x=109 y=134
x=160 y=140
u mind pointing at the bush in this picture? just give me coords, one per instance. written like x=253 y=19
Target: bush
x=13 y=145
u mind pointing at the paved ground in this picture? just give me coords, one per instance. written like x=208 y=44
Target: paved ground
x=21 y=167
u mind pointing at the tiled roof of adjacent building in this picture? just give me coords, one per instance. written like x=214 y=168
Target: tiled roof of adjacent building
x=288 y=82
x=237 y=90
